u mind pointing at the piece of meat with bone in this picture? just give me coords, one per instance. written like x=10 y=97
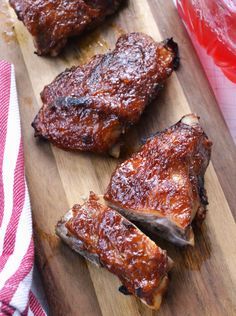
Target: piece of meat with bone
x=109 y=240
x=161 y=186
x=52 y=22
x=87 y=108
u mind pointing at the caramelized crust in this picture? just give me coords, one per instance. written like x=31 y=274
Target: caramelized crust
x=162 y=184
x=121 y=247
x=89 y=107
x=51 y=22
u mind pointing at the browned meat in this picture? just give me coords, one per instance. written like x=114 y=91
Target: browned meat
x=51 y=22
x=162 y=185
x=106 y=238
x=89 y=107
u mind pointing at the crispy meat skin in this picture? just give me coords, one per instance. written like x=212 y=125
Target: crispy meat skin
x=51 y=22
x=162 y=184
x=88 y=107
x=115 y=243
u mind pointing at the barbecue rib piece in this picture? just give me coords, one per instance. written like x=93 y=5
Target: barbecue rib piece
x=88 y=108
x=109 y=240
x=51 y=22
x=162 y=185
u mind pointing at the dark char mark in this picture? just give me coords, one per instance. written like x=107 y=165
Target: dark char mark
x=124 y=290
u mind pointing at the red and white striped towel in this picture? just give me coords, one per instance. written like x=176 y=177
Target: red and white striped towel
x=16 y=238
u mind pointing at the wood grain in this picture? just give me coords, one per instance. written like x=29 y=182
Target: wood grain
x=203 y=281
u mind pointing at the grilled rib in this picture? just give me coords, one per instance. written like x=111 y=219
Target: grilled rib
x=106 y=238
x=52 y=22
x=88 y=107
x=162 y=185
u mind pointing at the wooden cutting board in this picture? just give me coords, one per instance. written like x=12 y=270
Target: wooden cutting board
x=203 y=281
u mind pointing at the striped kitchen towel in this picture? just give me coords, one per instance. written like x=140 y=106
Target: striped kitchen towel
x=16 y=238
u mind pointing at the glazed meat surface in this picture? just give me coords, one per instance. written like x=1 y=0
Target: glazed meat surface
x=89 y=107
x=51 y=22
x=109 y=240
x=162 y=185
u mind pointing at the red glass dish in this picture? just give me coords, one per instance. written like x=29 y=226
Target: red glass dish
x=214 y=24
